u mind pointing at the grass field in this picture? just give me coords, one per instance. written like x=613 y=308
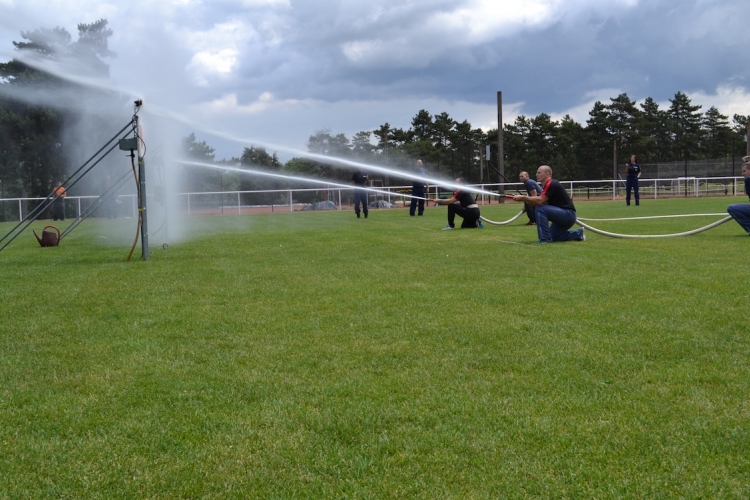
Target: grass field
x=317 y=355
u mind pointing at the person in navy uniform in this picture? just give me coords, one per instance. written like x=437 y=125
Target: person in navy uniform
x=532 y=189
x=553 y=205
x=741 y=211
x=418 y=188
x=631 y=181
x=463 y=205
x=360 y=195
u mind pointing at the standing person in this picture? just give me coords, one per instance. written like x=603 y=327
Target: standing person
x=463 y=205
x=631 y=181
x=533 y=189
x=359 y=178
x=741 y=211
x=418 y=188
x=58 y=206
x=553 y=205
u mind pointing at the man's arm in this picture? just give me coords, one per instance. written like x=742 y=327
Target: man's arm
x=452 y=199
x=531 y=200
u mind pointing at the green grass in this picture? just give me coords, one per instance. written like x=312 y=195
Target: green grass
x=316 y=355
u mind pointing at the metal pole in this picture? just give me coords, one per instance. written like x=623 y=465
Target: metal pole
x=614 y=159
x=500 y=152
x=142 y=195
x=747 y=137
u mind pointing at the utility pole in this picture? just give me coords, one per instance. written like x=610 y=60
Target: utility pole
x=500 y=152
x=614 y=159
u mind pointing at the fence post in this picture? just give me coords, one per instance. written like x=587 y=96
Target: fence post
x=291 y=209
x=20 y=210
x=239 y=207
x=188 y=197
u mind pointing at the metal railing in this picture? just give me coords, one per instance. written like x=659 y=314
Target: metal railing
x=244 y=202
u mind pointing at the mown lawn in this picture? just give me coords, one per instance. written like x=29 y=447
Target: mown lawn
x=316 y=355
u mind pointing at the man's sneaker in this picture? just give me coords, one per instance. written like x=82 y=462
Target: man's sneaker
x=447 y=228
x=531 y=223
x=583 y=234
x=479 y=224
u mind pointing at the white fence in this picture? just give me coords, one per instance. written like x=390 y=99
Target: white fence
x=243 y=202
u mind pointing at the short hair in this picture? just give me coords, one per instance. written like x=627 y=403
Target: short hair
x=460 y=180
x=523 y=172
x=746 y=165
x=547 y=168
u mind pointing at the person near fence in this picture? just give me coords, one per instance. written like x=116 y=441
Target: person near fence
x=553 y=205
x=741 y=211
x=533 y=189
x=418 y=188
x=58 y=206
x=359 y=178
x=462 y=203
x=631 y=181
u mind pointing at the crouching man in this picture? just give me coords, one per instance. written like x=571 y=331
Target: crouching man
x=463 y=205
x=553 y=205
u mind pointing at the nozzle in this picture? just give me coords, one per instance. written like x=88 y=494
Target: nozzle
x=139 y=102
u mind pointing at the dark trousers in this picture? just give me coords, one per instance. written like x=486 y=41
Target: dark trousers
x=632 y=183
x=58 y=209
x=360 y=195
x=530 y=212
x=415 y=202
x=470 y=216
x=562 y=219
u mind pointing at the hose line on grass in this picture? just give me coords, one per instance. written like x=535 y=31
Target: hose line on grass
x=649 y=217
x=485 y=219
x=686 y=233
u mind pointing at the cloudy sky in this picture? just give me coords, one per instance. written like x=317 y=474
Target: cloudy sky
x=279 y=70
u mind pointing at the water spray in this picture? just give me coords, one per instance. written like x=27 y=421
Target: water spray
x=295 y=178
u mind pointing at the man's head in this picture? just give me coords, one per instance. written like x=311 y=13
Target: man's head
x=746 y=169
x=543 y=173
x=523 y=176
x=419 y=163
x=460 y=180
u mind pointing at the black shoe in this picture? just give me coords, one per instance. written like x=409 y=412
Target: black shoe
x=365 y=215
x=357 y=215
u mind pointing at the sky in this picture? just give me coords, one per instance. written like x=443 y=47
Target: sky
x=277 y=71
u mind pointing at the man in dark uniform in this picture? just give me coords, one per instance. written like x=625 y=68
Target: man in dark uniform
x=463 y=205
x=360 y=195
x=532 y=189
x=553 y=205
x=741 y=211
x=418 y=188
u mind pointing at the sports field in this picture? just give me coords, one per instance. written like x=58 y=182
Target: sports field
x=316 y=355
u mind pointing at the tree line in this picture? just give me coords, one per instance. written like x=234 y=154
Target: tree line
x=577 y=151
